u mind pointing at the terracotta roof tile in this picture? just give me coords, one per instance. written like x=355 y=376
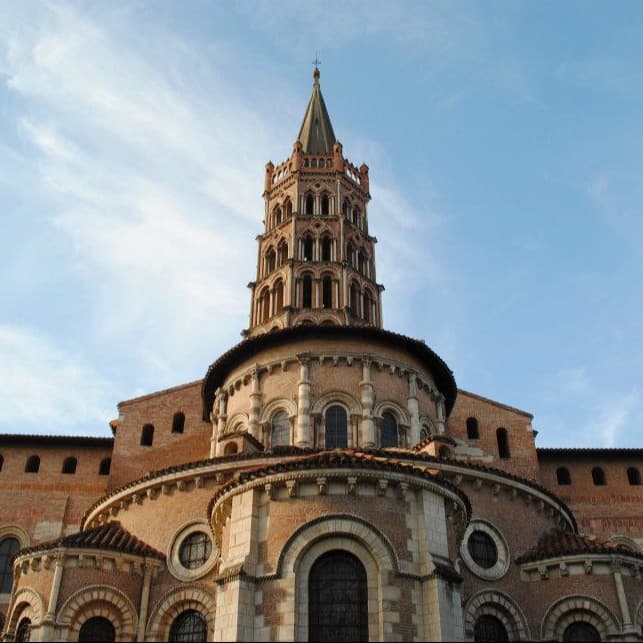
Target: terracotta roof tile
x=110 y=536
x=557 y=542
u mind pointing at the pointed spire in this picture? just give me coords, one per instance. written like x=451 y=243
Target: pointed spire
x=316 y=134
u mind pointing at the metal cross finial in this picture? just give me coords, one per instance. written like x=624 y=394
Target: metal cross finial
x=316 y=62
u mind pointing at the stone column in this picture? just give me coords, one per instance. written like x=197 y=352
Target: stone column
x=303 y=437
x=414 y=410
x=145 y=602
x=620 y=595
x=223 y=405
x=440 y=407
x=255 y=406
x=49 y=620
x=368 y=400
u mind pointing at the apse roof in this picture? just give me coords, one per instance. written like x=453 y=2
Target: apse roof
x=316 y=133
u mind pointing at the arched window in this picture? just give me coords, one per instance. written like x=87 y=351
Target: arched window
x=271 y=261
x=336 y=428
x=326 y=248
x=489 y=628
x=278 y=297
x=356 y=216
x=424 y=433
x=562 y=476
x=280 y=430
x=503 y=443
x=327 y=292
x=189 y=626
x=288 y=208
x=8 y=547
x=23 y=631
x=282 y=253
x=472 y=429
x=581 y=631
x=354 y=299
x=308 y=248
x=346 y=208
x=277 y=215
x=147 y=435
x=33 y=464
x=307 y=292
x=368 y=305
x=105 y=467
x=178 y=422
x=325 y=204
x=310 y=204
x=69 y=465
x=337 y=598
x=230 y=448
x=388 y=433
x=97 y=628
x=361 y=263
x=598 y=476
x=350 y=254
x=264 y=306
x=633 y=476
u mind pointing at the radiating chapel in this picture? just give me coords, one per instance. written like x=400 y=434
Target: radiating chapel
x=326 y=480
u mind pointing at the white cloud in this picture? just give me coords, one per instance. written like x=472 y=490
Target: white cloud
x=610 y=418
x=42 y=386
x=571 y=380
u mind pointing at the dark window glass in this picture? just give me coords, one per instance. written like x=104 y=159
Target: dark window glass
x=503 y=443
x=230 y=448
x=97 y=629
x=337 y=599
x=361 y=262
x=288 y=208
x=388 y=434
x=105 y=467
x=326 y=248
x=69 y=465
x=33 y=464
x=598 y=476
x=325 y=205
x=307 y=292
x=310 y=202
x=8 y=547
x=264 y=306
x=308 y=249
x=327 y=292
x=271 y=260
x=336 y=428
x=489 y=628
x=482 y=549
x=1 y=462
x=178 y=422
x=279 y=297
x=633 y=476
x=355 y=299
x=147 y=435
x=563 y=476
x=189 y=626
x=282 y=253
x=23 y=633
x=356 y=216
x=581 y=631
x=472 y=429
x=350 y=254
x=368 y=305
x=280 y=431
x=195 y=550
x=277 y=216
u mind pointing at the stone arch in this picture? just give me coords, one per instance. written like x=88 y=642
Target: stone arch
x=17 y=532
x=99 y=600
x=26 y=603
x=238 y=422
x=337 y=397
x=625 y=541
x=392 y=407
x=579 y=607
x=338 y=532
x=501 y=606
x=177 y=600
x=280 y=404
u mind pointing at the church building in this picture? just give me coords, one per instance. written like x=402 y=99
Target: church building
x=326 y=480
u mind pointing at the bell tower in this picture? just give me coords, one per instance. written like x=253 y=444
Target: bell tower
x=316 y=260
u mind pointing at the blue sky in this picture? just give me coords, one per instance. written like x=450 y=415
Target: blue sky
x=505 y=142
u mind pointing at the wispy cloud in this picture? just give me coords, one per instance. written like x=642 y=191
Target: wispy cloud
x=43 y=386
x=611 y=417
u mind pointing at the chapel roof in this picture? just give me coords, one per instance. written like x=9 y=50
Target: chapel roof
x=316 y=133
x=557 y=542
x=110 y=536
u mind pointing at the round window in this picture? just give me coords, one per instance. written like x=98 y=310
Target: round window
x=483 y=549
x=195 y=550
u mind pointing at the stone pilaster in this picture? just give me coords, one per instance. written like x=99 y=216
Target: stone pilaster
x=222 y=417
x=414 y=411
x=368 y=438
x=255 y=406
x=303 y=432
